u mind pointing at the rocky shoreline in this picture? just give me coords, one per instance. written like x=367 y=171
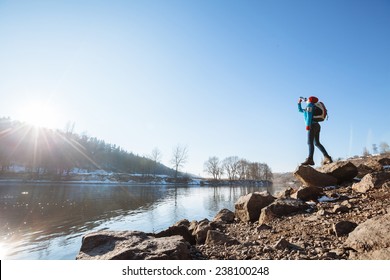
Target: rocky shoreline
x=342 y=211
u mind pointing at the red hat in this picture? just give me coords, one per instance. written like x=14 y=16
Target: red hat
x=313 y=99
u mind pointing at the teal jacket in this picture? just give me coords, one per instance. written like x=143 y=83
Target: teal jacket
x=307 y=113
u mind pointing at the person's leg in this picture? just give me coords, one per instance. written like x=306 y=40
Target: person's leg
x=310 y=142
x=316 y=132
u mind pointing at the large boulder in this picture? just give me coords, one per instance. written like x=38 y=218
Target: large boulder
x=200 y=231
x=371 y=239
x=183 y=222
x=384 y=161
x=286 y=193
x=313 y=178
x=280 y=208
x=380 y=254
x=371 y=181
x=225 y=216
x=343 y=171
x=181 y=230
x=370 y=165
x=192 y=227
x=308 y=193
x=248 y=207
x=364 y=169
x=132 y=245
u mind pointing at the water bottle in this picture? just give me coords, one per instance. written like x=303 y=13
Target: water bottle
x=303 y=98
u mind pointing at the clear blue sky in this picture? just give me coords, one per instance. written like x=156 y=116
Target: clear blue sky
x=221 y=77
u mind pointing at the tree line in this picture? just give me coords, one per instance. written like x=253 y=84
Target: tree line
x=57 y=152
x=236 y=168
x=383 y=148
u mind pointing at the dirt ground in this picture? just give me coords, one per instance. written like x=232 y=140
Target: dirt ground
x=303 y=236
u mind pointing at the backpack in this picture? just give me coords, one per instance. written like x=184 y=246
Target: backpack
x=320 y=112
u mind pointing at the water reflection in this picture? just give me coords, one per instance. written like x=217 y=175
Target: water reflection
x=48 y=221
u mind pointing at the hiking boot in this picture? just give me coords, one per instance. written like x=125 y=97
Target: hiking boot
x=308 y=161
x=327 y=160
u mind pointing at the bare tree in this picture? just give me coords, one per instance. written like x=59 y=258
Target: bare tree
x=69 y=127
x=242 y=169
x=156 y=158
x=366 y=152
x=374 y=149
x=266 y=172
x=259 y=171
x=384 y=148
x=254 y=171
x=179 y=157
x=212 y=166
x=230 y=164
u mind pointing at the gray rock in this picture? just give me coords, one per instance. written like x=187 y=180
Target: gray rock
x=183 y=222
x=371 y=181
x=263 y=227
x=371 y=235
x=282 y=244
x=384 y=161
x=200 y=232
x=132 y=245
x=343 y=227
x=363 y=170
x=313 y=178
x=337 y=252
x=369 y=166
x=381 y=254
x=192 y=227
x=215 y=237
x=225 y=215
x=248 y=207
x=177 y=230
x=343 y=171
x=280 y=208
x=321 y=212
x=308 y=193
x=340 y=209
x=285 y=193
x=347 y=204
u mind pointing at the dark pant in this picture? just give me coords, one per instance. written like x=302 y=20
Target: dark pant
x=313 y=138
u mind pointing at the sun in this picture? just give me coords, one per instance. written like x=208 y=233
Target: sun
x=3 y=251
x=39 y=114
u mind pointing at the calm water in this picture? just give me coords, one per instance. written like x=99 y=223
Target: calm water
x=43 y=221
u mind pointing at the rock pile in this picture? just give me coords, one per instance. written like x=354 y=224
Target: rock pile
x=133 y=245
x=342 y=211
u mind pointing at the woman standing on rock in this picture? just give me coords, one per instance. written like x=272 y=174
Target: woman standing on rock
x=313 y=128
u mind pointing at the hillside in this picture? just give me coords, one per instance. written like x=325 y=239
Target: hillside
x=53 y=154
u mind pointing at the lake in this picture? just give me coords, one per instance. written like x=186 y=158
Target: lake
x=48 y=221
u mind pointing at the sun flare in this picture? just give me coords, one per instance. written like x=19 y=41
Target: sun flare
x=39 y=114
x=3 y=251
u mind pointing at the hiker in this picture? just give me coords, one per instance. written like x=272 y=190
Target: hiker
x=313 y=128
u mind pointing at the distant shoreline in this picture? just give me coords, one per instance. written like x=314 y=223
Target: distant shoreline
x=152 y=181
x=88 y=182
